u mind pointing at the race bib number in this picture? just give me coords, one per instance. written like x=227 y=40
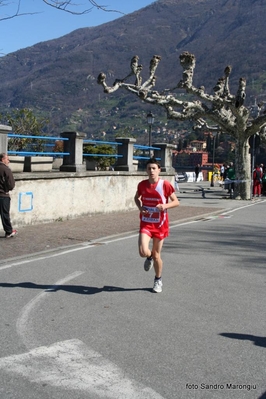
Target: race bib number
x=153 y=216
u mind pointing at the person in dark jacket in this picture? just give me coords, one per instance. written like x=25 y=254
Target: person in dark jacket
x=230 y=174
x=7 y=183
x=257 y=181
x=197 y=170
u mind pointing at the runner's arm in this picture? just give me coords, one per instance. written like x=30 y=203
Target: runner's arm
x=139 y=203
x=172 y=204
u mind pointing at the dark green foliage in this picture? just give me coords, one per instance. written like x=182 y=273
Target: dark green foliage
x=102 y=162
x=24 y=122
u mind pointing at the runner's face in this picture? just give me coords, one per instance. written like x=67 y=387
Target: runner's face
x=153 y=171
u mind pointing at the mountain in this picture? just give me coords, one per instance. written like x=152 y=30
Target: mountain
x=59 y=77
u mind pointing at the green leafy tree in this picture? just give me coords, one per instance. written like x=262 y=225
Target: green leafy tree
x=24 y=122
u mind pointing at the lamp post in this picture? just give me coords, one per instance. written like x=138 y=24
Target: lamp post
x=213 y=154
x=150 y=120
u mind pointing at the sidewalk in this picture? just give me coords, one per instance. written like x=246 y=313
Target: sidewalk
x=51 y=236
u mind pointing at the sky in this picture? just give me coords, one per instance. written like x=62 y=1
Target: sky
x=46 y=23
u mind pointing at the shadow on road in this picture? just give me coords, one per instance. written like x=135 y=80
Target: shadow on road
x=75 y=289
x=258 y=341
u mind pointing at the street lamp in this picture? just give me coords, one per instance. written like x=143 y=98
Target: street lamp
x=150 y=120
x=213 y=154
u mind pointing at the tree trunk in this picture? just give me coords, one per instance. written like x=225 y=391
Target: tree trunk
x=242 y=168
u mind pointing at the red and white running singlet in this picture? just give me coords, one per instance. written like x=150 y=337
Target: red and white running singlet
x=155 y=223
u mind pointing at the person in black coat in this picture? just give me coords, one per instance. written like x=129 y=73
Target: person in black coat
x=7 y=183
x=197 y=170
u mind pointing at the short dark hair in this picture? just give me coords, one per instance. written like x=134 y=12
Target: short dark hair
x=2 y=155
x=153 y=160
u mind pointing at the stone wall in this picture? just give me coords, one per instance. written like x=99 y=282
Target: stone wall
x=47 y=197
x=72 y=191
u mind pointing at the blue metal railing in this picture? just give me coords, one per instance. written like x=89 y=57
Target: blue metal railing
x=26 y=136
x=144 y=148
x=59 y=154
x=110 y=143
x=102 y=142
x=32 y=153
x=103 y=155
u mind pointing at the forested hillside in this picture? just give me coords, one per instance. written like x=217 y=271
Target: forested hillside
x=58 y=78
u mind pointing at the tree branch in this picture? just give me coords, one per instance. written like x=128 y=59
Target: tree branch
x=141 y=90
x=66 y=6
x=222 y=108
x=257 y=125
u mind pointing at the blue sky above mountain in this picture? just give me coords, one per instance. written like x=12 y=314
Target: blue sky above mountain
x=49 y=23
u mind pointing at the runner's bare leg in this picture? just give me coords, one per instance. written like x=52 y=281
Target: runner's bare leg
x=156 y=255
x=144 y=249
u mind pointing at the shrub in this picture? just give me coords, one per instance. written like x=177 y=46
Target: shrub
x=102 y=162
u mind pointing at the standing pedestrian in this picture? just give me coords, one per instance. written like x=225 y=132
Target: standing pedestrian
x=7 y=183
x=197 y=170
x=257 y=180
x=263 y=192
x=152 y=198
x=222 y=170
x=231 y=176
x=176 y=182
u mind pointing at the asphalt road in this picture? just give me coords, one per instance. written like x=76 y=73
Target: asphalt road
x=82 y=322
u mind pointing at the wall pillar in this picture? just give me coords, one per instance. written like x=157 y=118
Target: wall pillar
x=74 y=146
x=165 y=153
x=4 y=130
x=125 y=163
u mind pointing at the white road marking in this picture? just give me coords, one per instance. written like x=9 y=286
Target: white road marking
x=213 y=217
x=24 y=319
x=47 y=256
x=85 y=245
x=72 y=365
x=243 y=207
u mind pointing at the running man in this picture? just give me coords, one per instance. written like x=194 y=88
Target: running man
x=152 y=200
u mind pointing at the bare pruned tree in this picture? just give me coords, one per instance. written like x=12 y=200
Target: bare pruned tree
x=67 y=6
x=224 y=110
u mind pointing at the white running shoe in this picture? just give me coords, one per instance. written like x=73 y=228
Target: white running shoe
x=148 y=264
x=12 y=234
x=158 y=286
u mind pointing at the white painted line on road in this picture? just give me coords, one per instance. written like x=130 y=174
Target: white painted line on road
x=59 y=253
x=71 y=365
x=22 y=325
x=184 y=223
x=210 y=218
x=136 y=235
x=243 y=207
x=121 y=238
x=103 y=241
x=35 y=259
